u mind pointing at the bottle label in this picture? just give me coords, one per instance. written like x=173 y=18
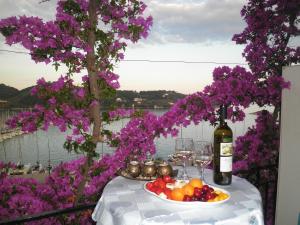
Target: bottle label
x=226 y=164
x=226 y=150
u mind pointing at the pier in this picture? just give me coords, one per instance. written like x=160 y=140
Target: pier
x=7 y=134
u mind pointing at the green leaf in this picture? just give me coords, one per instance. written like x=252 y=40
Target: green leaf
x=115 y=143
x=105 y=116
x=7 y=31
x=56 y=65
x=107 y=132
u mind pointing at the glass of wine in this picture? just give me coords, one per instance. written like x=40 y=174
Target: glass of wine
x=203 y=155
x=184 y=149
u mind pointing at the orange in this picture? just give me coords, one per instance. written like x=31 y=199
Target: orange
x=196 y=182
x=188 y=190
x=177 y=194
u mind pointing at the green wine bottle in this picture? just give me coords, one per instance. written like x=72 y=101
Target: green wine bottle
x=223 y=151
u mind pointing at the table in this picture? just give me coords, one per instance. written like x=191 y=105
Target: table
x=125 y=202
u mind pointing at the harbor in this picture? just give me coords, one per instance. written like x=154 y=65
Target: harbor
x=8 y=134
x=43 y=150
x=6 y=113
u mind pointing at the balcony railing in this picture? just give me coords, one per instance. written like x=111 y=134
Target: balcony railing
x=49 y=214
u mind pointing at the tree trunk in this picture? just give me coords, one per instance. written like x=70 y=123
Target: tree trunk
x=94 y=90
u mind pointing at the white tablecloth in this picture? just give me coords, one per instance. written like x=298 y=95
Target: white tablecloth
x=125 y=202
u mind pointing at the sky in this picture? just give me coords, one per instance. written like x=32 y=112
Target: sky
x=183 y=30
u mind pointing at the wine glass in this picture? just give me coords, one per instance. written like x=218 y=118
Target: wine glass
x=184 y=149
x=203 y=155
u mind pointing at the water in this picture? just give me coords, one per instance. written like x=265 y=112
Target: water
x=42 y=146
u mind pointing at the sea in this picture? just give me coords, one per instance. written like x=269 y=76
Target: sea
x=46 y=147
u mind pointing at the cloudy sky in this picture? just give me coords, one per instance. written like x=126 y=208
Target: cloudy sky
x=183 y=30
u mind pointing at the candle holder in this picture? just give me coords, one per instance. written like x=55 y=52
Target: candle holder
x=149 y=169
x=164 y=169
x=134 y=168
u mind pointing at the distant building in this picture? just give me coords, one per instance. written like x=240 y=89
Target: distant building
x=138 y=100
x=3 y=103
x=157 y=107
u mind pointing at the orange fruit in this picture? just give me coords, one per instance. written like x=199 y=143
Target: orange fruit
x=177 y=194
x=188 y=190
x=196 y=182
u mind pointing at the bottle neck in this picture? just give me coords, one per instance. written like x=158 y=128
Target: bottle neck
x=223 y=122
x=223 y=115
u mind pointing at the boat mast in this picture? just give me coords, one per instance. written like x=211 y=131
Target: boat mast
x=49 y=159
x=37 y=151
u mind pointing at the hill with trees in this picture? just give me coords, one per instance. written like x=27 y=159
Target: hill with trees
x=125 y=98
x=7 y=92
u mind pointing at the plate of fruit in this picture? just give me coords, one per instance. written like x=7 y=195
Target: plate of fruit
x=191 y=192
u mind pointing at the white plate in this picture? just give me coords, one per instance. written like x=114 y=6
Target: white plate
x=192 y=203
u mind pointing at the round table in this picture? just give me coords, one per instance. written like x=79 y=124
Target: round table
x=125 y=202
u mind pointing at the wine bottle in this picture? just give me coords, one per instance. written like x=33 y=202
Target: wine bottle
x=223 y=151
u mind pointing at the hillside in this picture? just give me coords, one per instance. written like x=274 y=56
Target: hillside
x=124 y=98
x=24 y=99
x=7 y=92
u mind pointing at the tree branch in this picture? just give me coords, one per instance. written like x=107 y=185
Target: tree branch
x=94 y=90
